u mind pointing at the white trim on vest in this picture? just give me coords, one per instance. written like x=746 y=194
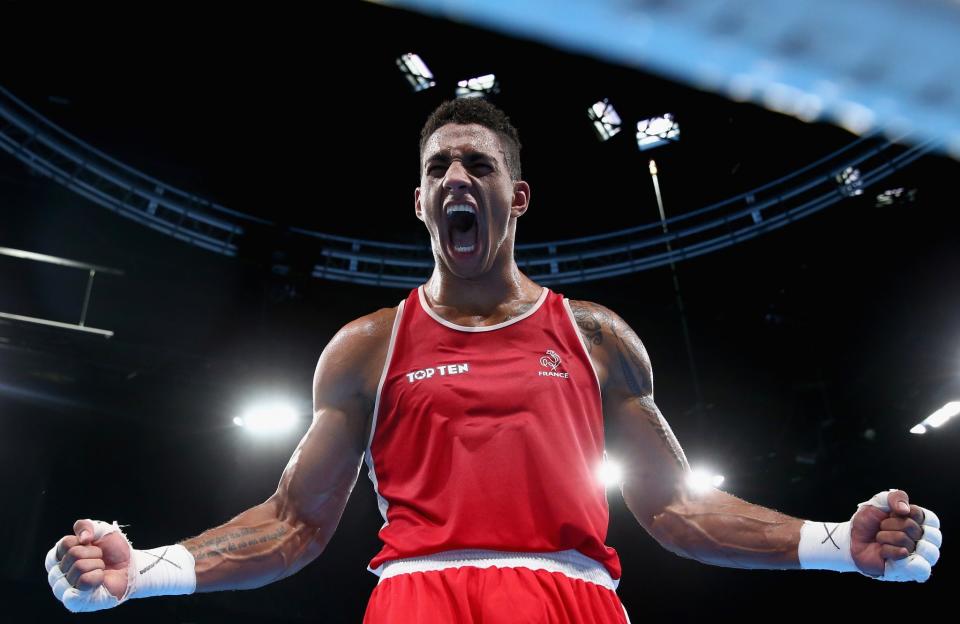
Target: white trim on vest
x=480 y=328
x=367 y=454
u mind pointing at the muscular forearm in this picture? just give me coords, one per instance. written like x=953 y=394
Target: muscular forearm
x=720 y=529
x=253 y=549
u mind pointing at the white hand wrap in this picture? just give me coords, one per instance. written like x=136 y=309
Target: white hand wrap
x=826 y=546
x=168 y=570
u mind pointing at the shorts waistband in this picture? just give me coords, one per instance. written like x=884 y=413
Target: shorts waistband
x=572 y=563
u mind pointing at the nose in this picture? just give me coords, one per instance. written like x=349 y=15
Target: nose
x=457 y=177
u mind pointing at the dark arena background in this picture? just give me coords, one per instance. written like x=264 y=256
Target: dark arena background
x=792 y=355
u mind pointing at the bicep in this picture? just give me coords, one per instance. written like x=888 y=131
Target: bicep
x=323 y=470
x=654 y=465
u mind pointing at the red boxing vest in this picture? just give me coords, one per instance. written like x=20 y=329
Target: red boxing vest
x=489 y=437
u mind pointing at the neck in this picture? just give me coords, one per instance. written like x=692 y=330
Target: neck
x=484 y=294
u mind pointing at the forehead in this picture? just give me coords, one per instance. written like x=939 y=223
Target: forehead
x=459 y=139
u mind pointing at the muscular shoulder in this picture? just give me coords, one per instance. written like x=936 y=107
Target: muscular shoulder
x=368 y=330
x=350 y=365
x=615 y=346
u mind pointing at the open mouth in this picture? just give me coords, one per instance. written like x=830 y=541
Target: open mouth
x=463 y=230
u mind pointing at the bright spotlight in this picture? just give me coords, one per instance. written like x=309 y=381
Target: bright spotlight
x=416 y=71
x=701 y=480
x=896 y=197
x=605 y=119
x=268 y=418
x=610 y=472
x=481 y=86
x=942 y=415
x=657 y=131
x=938 y=418
x=850 y=182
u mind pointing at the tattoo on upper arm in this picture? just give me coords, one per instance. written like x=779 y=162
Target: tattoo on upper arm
x=633 y=361
x=588 y=324
x=594 y=321
x=660 y=425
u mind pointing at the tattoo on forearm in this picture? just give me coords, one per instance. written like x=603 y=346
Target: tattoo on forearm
x=232 y=542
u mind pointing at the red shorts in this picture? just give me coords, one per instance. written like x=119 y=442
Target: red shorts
x=493 y=587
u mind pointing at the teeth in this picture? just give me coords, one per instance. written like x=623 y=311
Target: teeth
x=465 y=249
x=460 y=208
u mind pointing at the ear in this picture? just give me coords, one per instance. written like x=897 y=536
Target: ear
x=417 y=208
x=521 y=198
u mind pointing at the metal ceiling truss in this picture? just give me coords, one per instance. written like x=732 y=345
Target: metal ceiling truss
x=55 y=153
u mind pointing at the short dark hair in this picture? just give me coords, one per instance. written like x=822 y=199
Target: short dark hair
x=481 y=112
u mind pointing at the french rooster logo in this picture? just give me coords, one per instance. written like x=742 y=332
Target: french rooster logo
x=551 y=360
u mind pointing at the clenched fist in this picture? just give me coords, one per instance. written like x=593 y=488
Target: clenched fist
x=892 y=539
x=97 y=568
x=90 y=569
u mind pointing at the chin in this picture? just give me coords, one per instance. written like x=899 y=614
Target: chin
x=473 y=269
x=464 y=273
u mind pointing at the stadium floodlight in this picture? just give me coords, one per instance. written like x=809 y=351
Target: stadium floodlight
x=605 y=119
x=610 y=472
x=481 y=86
x=416 y=71
x=939 y=418
x=850 y=182
x=702 y=479
x=896 y=197
x=268 y=417
x=657 y=131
